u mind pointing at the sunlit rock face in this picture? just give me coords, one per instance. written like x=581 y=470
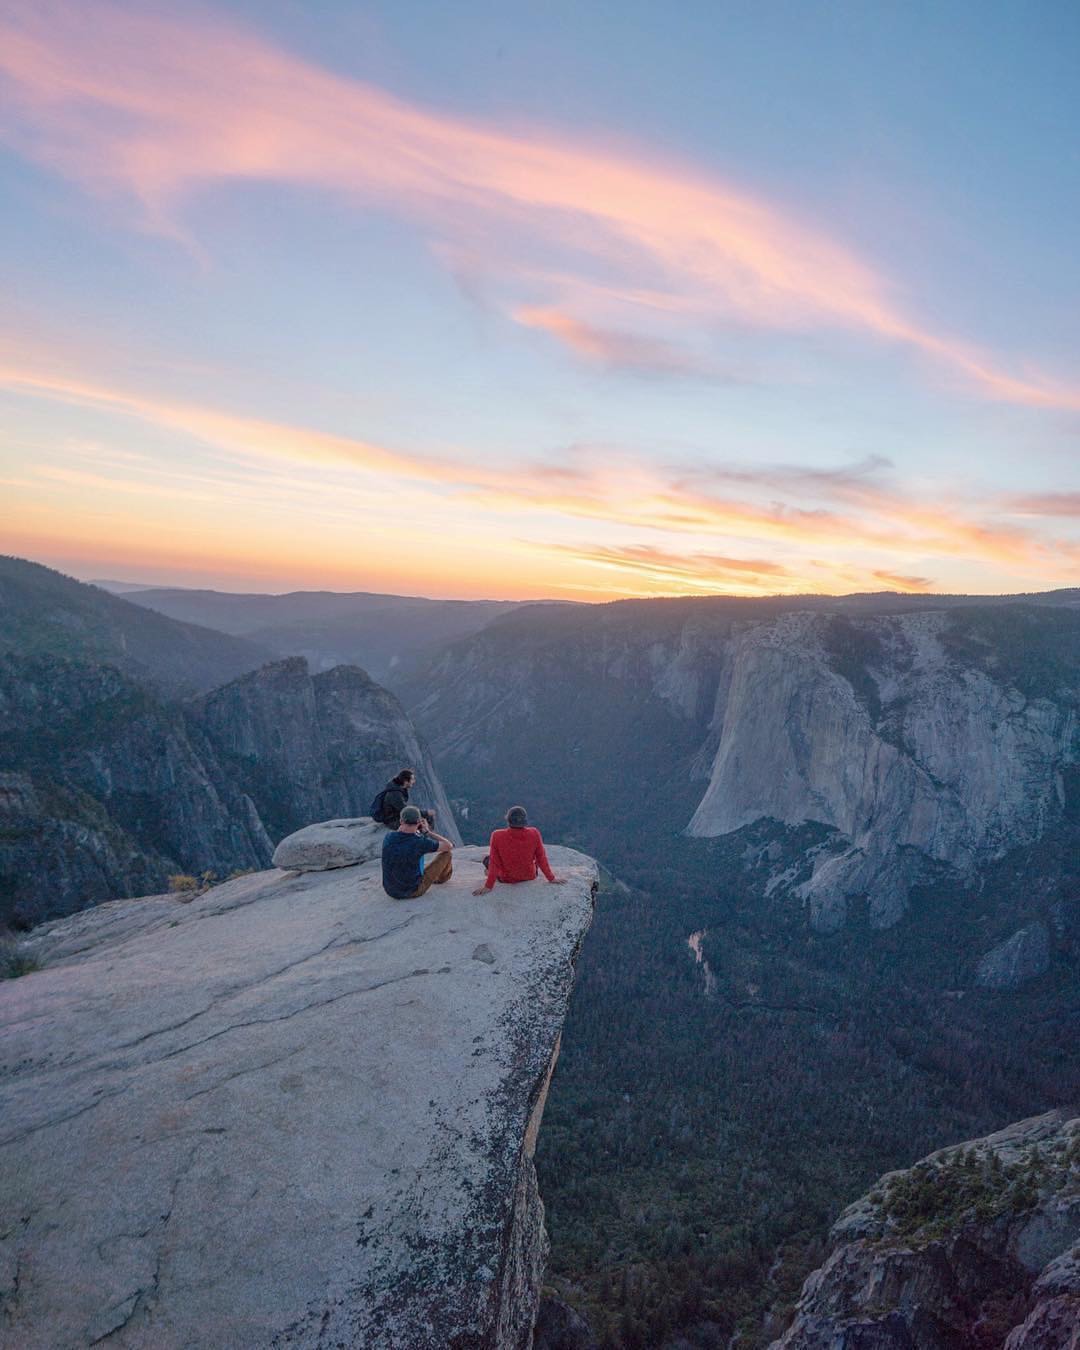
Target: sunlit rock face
x=291 y=1112
x=912 y=754
x=974 y=1246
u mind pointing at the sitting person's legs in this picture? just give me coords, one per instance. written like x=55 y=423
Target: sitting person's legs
x=438 y=870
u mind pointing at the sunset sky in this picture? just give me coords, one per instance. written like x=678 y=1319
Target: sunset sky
x=561 y=299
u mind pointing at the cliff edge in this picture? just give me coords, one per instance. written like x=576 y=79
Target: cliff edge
x=290 y=1113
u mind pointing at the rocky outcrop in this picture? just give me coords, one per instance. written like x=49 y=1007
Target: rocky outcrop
x=311 y=747
x=331 y=843
x=978 y=1245
x=559 y=1327
x=1054 y=1322
x=290 y=1113
x=1023 y=957
x=111 y=789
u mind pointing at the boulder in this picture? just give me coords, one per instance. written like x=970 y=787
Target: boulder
x=330 y=843
x=1023 y=957
x=560 y=1327
x=1054 y=1324
x=290 y=1113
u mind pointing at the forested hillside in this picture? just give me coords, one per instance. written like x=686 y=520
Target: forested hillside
x=698 y=1142
x=44 y=613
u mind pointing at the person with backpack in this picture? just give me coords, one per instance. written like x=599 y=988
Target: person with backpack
x=393 y=799
x=517 y=853
x=414 y=858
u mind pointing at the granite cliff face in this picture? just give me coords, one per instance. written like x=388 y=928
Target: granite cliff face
x=290 y=1113
x=107 y=789
x=312 y=747
x=975 y=1246
x=902 y=744
x=925 y=742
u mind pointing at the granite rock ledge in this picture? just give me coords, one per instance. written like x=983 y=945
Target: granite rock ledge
x=975 y=1246
x=290 y=1113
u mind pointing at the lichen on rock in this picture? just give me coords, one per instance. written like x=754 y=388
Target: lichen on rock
x=974 y=1245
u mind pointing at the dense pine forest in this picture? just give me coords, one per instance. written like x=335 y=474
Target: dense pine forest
x=697 y=1145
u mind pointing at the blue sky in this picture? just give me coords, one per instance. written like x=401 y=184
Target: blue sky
x=542 y=300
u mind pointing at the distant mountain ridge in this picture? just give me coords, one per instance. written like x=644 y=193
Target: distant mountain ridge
x=44 y=613
x=115 y=587
x=380 y=633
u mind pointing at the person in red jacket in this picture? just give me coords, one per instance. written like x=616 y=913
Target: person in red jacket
x=516 y=853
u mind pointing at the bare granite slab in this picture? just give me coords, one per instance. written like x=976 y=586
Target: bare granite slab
x=291 y=1112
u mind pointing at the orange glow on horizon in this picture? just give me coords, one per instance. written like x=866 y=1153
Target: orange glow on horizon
x=243 y=521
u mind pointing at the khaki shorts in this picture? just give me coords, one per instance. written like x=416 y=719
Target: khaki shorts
x=440 y=869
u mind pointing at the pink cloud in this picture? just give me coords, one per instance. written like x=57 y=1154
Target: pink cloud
x=663 y=570
x=1066 y=504
x=898 y=581
x=616 y=350
x=130 y=102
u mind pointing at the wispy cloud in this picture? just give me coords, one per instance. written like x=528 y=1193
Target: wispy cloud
x=1064 y=504
x=126 y=101
x=662 y=571
x=691 y=570
x=840 y=509
x=897 y=581
x=617 y=350
x=240 y=435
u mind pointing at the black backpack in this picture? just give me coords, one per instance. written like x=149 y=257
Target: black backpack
x=376 y=810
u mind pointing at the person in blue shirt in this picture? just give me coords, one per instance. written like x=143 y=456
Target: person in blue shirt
x=414 y=857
